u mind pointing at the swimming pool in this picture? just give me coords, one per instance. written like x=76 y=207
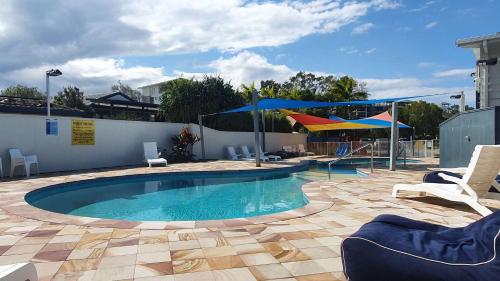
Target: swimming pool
x=183 y=196
x=362 y=161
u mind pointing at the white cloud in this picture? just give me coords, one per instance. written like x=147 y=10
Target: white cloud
x=425 y=64
x=370 y=51
x=461 y=72
x=54 y=32
x=363 y=28
x=349 y=50
x=246 y=67
x=91 y=75
x=431 y=25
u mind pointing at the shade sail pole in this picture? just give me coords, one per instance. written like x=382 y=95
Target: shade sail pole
x=263 y=130
x=256 y=128
x=394 y=137
x=202 y=139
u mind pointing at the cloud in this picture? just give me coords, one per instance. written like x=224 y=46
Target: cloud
x=349 y=50
x=91 y=75
x=431 y=25
x=423 y=7
x=37 y=33
x=370 y=51
x=363 y=28
x=425 y=64
x=409 y=86
x=460 y=72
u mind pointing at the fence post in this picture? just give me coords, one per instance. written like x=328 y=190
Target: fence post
x=351 y=148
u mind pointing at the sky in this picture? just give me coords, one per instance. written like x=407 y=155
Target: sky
x=397 y=47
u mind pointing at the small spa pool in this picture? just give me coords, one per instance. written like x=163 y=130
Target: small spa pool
x=183 y=196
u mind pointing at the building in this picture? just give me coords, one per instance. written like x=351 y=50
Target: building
x=37 y=107
x=461 y=133
x=111 y=105
x=487 y=76
x=151 y=93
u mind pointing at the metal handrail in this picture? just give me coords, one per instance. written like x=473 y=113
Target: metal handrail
x=350 y=154
x=403 y=151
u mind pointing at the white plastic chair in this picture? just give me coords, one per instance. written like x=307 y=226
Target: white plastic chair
x=151 y=154
x=247 y=154
x=18 y=159
x=483 y=168
x=303 y=151
x=18 y=271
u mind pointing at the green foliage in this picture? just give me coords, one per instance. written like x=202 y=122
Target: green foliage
x=22 y=92
x=183 y=146
x=71 y=97
x=424 y=116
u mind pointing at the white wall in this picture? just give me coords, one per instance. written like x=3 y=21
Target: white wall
x=117 y=142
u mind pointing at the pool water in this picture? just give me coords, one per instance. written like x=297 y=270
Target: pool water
x=187 y=196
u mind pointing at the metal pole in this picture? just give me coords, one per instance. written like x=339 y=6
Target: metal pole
x=256 y=128
x=202 y=139
x=48 y=95
x=394 y=137
x=263 y=131
x=462 y=102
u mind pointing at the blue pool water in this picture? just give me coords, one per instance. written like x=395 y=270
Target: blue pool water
x=187 y=196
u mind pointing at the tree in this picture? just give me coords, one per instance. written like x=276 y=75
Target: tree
x=127 y=90
x=424 y=116
x=22 y=92
x=71 y=97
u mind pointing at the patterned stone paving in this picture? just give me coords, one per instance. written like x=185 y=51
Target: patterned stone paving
x=301 y=248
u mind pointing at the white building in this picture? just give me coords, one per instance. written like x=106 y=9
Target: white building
x=486 y=51
x=151 y=93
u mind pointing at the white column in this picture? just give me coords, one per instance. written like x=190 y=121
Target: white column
x=256 y=128
x=394 y=137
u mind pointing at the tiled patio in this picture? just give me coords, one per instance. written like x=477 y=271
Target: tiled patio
x=282 y=247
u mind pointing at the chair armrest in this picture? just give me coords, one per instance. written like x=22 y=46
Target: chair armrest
x=460 y=183
x=31 y=158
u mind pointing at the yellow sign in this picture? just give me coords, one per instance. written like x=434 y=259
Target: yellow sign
x=82 y=132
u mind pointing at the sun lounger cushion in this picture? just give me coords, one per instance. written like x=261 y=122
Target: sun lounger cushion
x=393 y=248
x=433 y=177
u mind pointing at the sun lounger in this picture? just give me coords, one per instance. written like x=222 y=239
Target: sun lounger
x=151 y=154
x=18 y=271
x=477 y=180
x=247 y=154
x=393 y=248
x=270 y=156
x=232 y=155
x=342 y=149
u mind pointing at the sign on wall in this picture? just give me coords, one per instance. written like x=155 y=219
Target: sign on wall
x=51 y=127
x=82 y=132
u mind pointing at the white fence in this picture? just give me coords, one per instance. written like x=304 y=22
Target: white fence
x=417 y=148
x=117 y=142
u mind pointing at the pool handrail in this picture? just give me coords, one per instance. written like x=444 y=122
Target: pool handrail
x=331 y=163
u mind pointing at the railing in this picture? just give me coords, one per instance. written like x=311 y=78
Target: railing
x=413 y=149
x=331 y=163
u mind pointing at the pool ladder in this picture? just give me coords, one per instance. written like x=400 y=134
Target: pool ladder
x=331 y=163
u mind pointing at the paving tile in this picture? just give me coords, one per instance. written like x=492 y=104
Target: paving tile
x=195 y=276
x=257 y=259
x=114 y=273
x=153 y=269
x=269 y=271
x=193 y=265
x=117 y=261
x=233 y=274
x=304 y=267
x=153 y=257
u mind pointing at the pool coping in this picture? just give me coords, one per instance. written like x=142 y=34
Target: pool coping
x=15 y=203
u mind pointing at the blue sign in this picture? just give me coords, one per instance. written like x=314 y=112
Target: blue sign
x=51 y=127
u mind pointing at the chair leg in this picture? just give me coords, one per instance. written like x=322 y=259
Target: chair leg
x=12 y=168
x=27 y=169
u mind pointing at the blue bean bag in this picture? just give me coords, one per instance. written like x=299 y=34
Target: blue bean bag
x=393 y=248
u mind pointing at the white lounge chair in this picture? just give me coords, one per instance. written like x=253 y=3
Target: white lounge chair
x=18 y=272
x=303 y=151
x=151 y=154
x=18 y=159
x=483 y=168
x=270 y=156
x=234 y=156
x=247 y=154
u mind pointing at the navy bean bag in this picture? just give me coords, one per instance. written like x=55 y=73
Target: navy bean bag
x=393 y=248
